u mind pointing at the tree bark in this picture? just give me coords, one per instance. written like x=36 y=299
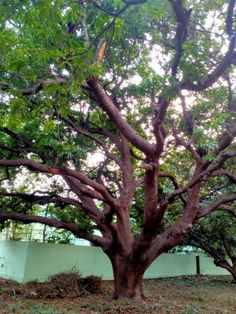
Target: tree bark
x=231 y=269
x=128 y=278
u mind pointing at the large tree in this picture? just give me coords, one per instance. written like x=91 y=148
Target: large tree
x=147 y=84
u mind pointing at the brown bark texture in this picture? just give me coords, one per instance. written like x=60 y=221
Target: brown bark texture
x=128 y=279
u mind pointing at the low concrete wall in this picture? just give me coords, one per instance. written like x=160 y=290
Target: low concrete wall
x=168 y=265
x=13 y=257
x=24 y=261
x=207 y=267
x=45 y=259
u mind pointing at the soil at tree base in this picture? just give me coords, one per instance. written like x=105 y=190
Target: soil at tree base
x=180 y=295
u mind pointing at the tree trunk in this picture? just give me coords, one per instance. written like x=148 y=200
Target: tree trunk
x=233 y=274
x=228 y=267
x=128 y=278
x=232 y=271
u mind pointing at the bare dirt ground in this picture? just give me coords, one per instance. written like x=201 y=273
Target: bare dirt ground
x=179 y=295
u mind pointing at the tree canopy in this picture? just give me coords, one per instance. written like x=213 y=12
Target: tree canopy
x=117 y=113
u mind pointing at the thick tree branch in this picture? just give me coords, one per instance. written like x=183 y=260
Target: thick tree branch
x=173 y=180
x=128 y=180
x=15 y=136
x=218 y=204
x=228 y=248
x=158 y=130
x=231 y=103
x=168 y=239
x=35 y=88
x=74 y=228
x=226 y=208
x=94 y=138
x=107 y=105
x=102 y=131
x=187 y=116
x=182 y=17
x=31 y=164
x=218 y=255
x=227 y=137
x=88 y=208
x=229 y=17
x=34 y=198
x=15 y=150
x=226 y=62
x=36 y=166
x=190 y=210
x=151 y=199
x=202 y=175
x=224 y=172
x=88 y=204
x=100 y=188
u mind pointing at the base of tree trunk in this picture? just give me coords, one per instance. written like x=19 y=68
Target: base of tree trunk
x=127 y=294
x=128 y=285
x=224 y=264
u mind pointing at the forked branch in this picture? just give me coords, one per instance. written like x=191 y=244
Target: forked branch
x=226 y=62
x=218 y=205
x=107 y=105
